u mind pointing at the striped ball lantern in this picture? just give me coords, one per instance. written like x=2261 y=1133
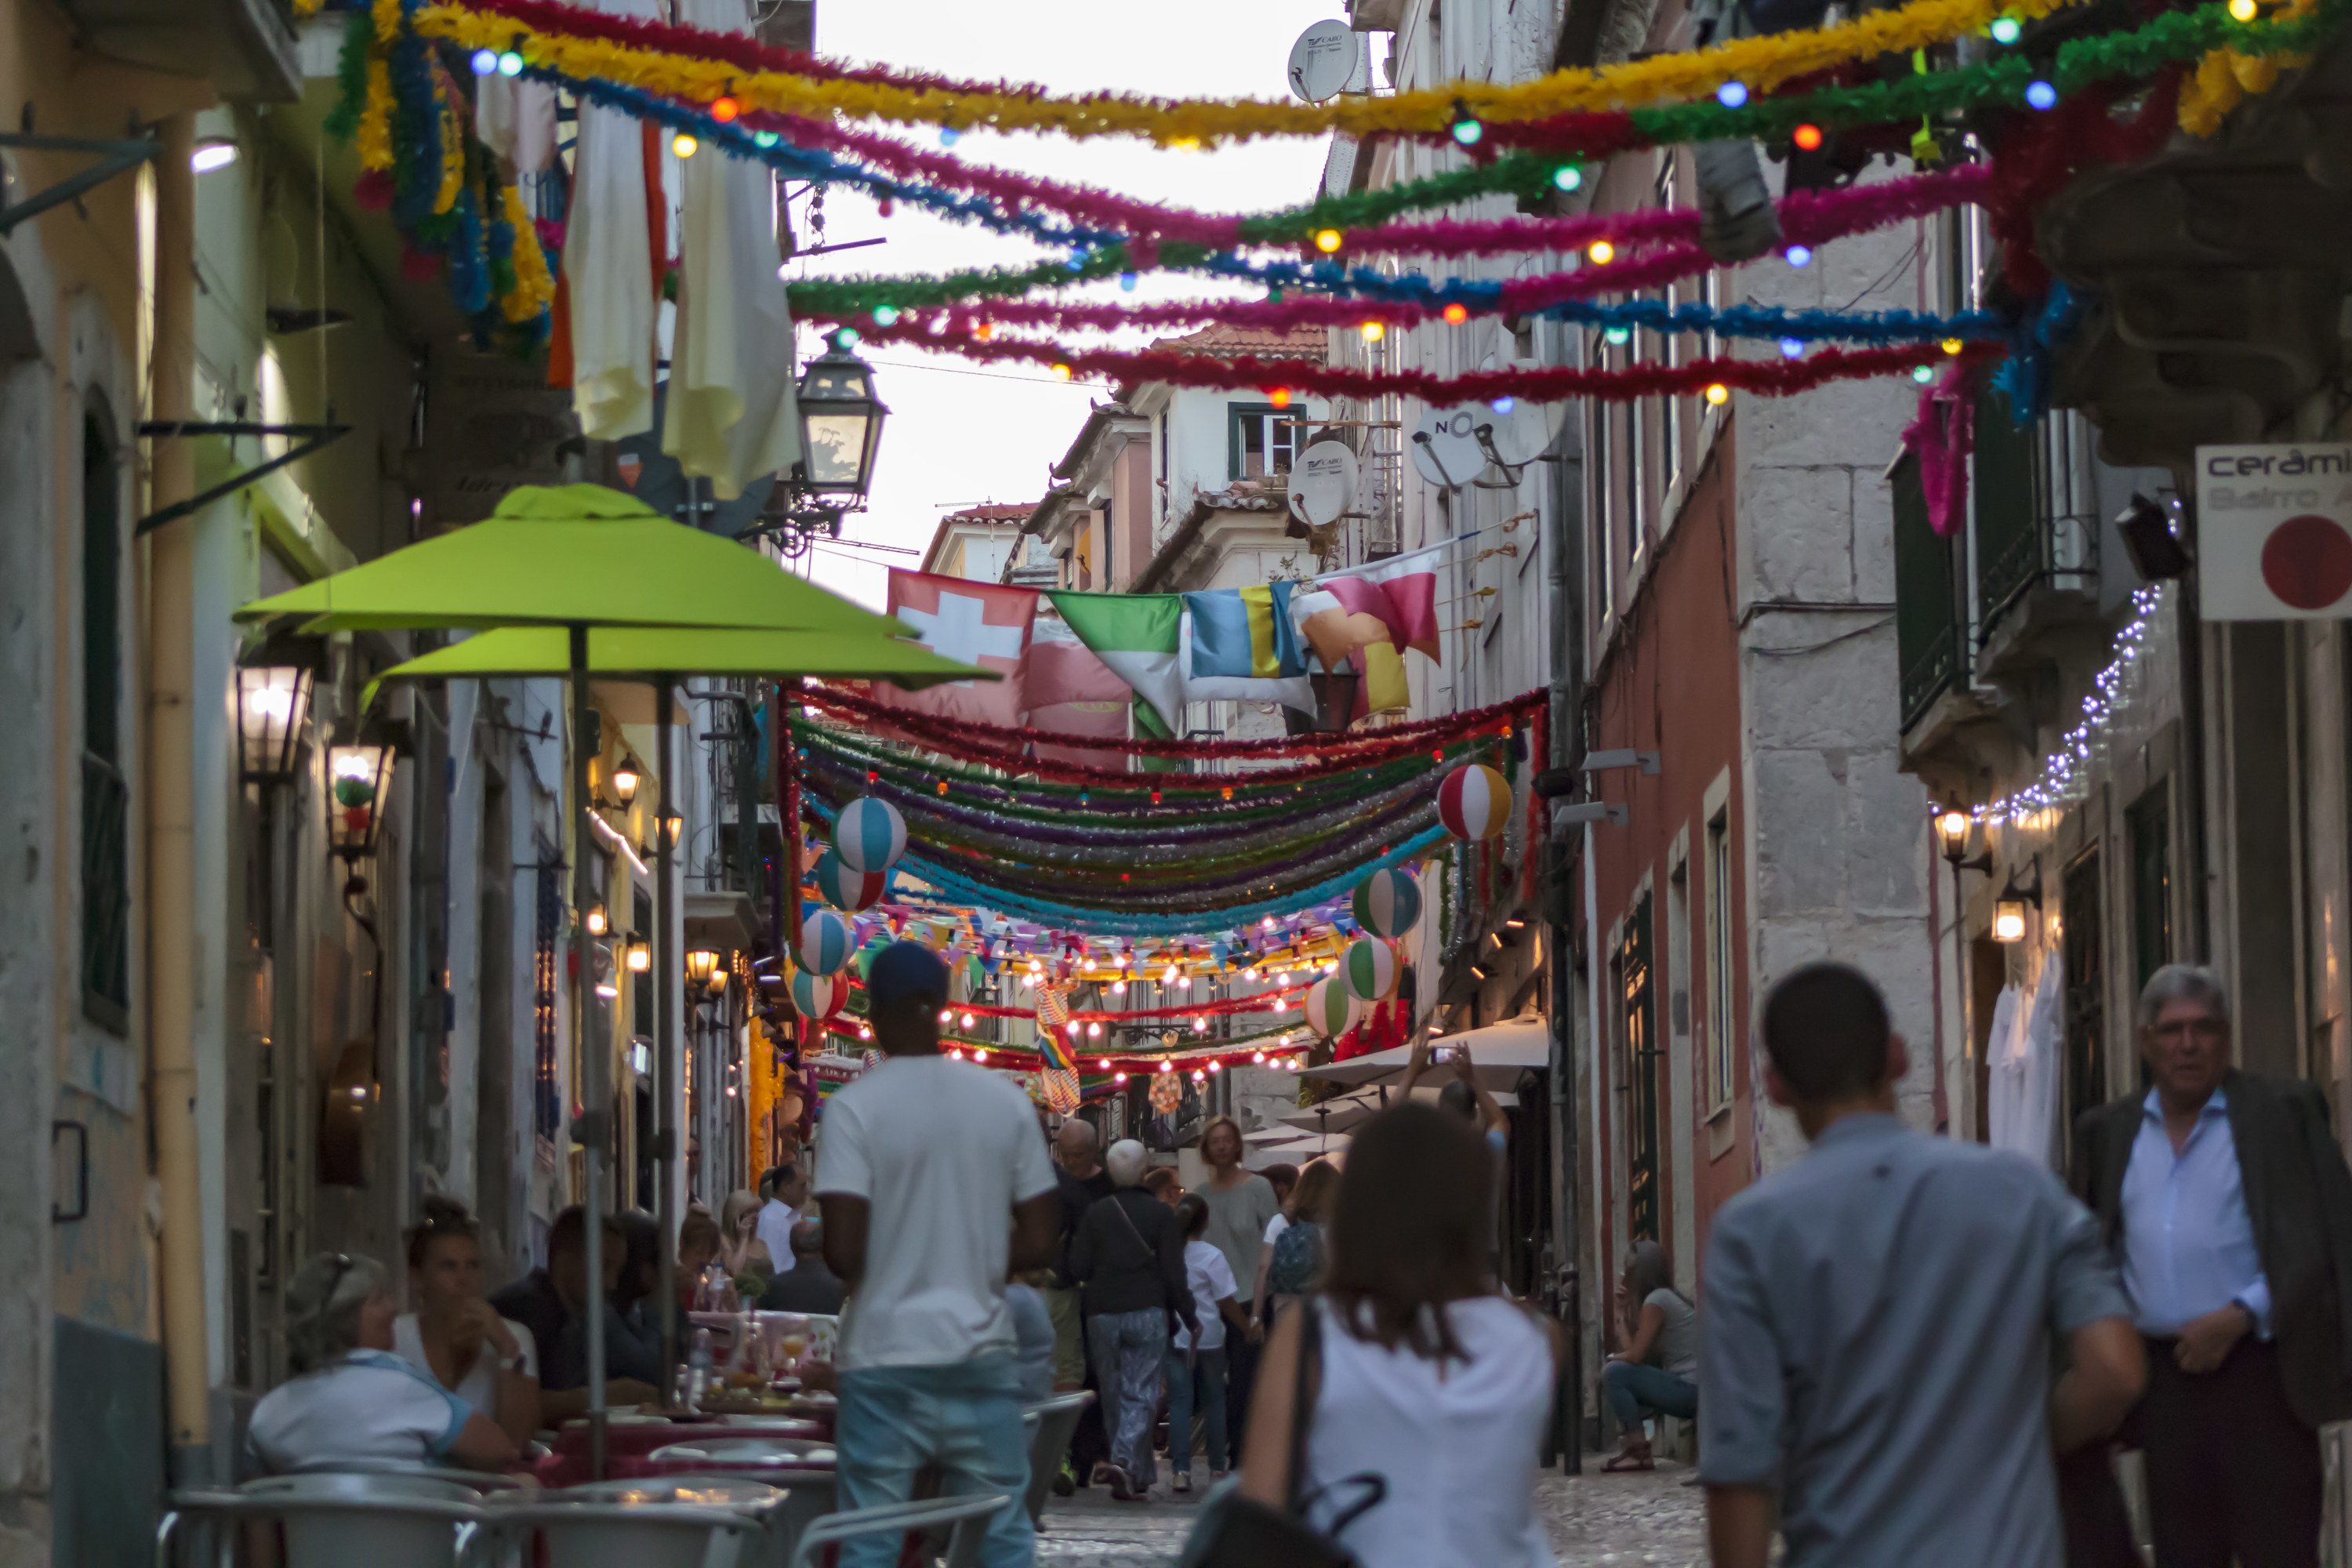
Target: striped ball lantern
x=843 y=889
x=1330 y=1008
x=1474 y=802
x=818 y=997
x=1371 y=968
x=869 y=836
x=824 y=943
x=1388 y=902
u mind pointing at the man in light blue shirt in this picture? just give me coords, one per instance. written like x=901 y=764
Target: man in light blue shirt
x=2229 y=1200
x=1878 y=1323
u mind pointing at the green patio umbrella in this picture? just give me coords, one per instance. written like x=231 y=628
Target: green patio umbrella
x=567 y=560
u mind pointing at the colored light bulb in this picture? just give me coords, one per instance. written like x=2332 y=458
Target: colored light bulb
x=510 y=64
x=1732 y=95
x=1567 y=178
x=2006 y=30
x=2041 y=95
x=484 y=62
x=1799 y=256
x=1455 y=314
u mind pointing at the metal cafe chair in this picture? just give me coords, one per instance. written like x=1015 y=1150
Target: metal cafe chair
x=332 y=1521
x=712 y=1522
x=801 y=1467
x=1057 y=1421
x=965 y=1518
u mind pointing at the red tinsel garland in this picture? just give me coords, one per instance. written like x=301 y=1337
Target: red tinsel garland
x=1227 y=1008
x=1353 y=750
x=2036 y=156
x=1551 y=383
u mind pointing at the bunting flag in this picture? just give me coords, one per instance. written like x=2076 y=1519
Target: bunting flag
x=1071 y=691
x=1241 y=647
x=1137 y=636
x=972 y=623
x=1341 y=636
x=1400 y=591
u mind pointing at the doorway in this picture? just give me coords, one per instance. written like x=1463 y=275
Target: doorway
x=2086 y=980
x=1642 y=1055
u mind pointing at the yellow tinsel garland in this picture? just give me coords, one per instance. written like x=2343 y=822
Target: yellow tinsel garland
x=453 y=145
x=375 y=117
x=1762 y=64
x=534 y=288
x=2225 y=78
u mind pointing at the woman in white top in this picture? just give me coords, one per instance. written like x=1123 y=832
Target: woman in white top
x=358 y=1403
x=1420 y=1376
x=456 y=1337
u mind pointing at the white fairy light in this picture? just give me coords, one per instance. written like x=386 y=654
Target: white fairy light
x=2064 y=775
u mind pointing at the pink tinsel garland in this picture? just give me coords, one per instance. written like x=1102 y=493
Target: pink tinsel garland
x=1942 y=437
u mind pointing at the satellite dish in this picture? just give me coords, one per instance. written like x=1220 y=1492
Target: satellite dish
x=1445 y=443
x=1322 y=61
x=1322 y=483
x=1519 y=431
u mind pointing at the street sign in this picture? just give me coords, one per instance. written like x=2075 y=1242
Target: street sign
x=2274 y=532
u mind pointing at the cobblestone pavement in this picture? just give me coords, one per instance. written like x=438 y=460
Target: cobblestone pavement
x=1633 y=1520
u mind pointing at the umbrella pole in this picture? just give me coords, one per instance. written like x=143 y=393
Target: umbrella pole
x=667 y=1090
x=590 y=1131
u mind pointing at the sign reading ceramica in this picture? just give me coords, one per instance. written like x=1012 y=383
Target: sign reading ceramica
x=2274 y=532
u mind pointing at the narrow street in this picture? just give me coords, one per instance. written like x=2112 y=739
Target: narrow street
x=1593 y=1519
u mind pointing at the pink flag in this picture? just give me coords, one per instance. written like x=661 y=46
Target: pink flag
x=1072 y=692
x=972 y=623
x=1402 y=591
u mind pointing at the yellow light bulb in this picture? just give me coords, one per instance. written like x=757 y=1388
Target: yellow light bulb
x=1327 y=240
x=1603 y=253
x=1952 y=345
x=1718 y=393
x=684 y=146
x=1373 y=331
x=2241 y=10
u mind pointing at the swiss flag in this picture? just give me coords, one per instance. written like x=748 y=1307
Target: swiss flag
x=972 y=623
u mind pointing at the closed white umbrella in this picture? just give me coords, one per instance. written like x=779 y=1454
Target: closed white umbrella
x=1499 y=1053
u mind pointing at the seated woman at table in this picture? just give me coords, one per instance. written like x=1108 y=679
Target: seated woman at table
x=357 y=1403
x=697 y=1248
x=740 y=1248
x=457 y=1336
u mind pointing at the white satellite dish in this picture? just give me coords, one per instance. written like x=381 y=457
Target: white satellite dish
x=1445 y=443
x=1322 y=483
x=1519 y=431
x=1322 y=60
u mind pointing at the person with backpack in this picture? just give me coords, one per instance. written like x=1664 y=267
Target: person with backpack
x=1128 y=1257
x=1299 y=1248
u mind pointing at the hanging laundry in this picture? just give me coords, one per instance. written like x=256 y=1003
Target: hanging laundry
x=608 y=266
x=516 y=119
x=731 y=414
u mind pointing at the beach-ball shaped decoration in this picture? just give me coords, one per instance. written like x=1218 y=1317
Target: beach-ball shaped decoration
x=869 y=835
x=843 y=889
x=818 y=997
x=1331 y=1008
x=1388 y=902
x=1474 y=802
x=1371 y=968
x=825 y=942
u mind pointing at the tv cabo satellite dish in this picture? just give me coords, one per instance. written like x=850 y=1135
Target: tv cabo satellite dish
x=1322 y=483
x=1445 y=443
x=1519 y=430
x=1323 y=61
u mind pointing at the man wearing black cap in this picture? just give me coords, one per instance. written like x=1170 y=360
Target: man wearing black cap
x=935 y=1186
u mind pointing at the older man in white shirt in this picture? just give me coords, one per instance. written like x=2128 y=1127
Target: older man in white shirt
x=788 y=1194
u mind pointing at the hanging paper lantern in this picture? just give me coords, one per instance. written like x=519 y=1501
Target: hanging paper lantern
x=1167 y=1094
x=818 y=997
x=869 y=835
x=1474 y=802
x=1388 y=902
x=824 y=944
x=1331 y=1008
x=1053 y=1009
x=1371 y=967
x=843 y=889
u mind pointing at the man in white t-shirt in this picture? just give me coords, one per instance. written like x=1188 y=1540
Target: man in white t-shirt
x=935 y=1187
x=787 y=1187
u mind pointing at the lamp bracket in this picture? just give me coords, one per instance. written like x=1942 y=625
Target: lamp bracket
x=115 y=155
x=308 y=439
x=1601 y=761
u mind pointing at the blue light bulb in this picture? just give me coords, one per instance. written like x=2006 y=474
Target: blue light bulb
x=2041 y=95
x=1126 y=280
x=484 y=62
x=1799 y=256
x=1732 y=95
x=1792 y=348
x=1504 y=405
x=950 y=136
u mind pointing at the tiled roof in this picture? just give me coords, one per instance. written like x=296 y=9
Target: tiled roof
x=991 y=513
x=1300 y=342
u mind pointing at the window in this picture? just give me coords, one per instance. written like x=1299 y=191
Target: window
x=1629 y=422
x=1719 y=1023
x=1259 y=440
x=105 y=792
x=2151 y=823
x=1598 y=511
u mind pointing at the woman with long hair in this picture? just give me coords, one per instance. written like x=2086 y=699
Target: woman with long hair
x=1658 y=1326
x=455 y=1334
x=1240 y=1203
x=1415 y=1371
x=740 y=1249
x=1295 y=1260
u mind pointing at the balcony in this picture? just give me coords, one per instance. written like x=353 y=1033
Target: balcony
x=1931 y=631
x=2036 y=519
x=245 y=48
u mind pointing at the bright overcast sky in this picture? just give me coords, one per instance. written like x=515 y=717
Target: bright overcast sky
x=959 y=434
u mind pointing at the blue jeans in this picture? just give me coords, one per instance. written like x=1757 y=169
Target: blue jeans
x=1633 y=1388
x=966 y=1418
x=1128 y=1350
x=1206 y=1381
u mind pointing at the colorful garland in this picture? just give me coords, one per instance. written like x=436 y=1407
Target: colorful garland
x=1759 y=64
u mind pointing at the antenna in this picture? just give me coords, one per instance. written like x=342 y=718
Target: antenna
x=1322 y=483
x=1322 y=61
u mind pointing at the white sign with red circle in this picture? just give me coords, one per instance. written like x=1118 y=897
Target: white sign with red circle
x=2274 y=532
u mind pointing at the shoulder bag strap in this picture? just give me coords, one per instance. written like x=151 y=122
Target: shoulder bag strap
x=1151 y=1253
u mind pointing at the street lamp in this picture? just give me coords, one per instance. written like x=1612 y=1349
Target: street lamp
x=357 y=778
x=625 y=779
x=270 y=701
x=700 y=965
x=598 y=922
x=2009 y=909
x=841 y=428
x=641 y=953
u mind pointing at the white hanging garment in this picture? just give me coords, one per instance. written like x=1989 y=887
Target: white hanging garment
x=516 y=119
x=2045 y=1047
x=731 y=416
x=2004 y=1073
x=609 y=269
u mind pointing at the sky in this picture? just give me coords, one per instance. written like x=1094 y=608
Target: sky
x=957 y=432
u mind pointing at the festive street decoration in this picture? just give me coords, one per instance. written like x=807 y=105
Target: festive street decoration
x=846 y=890
x=1387 y=904
x=2064 y=775
x=1474 y=802
x=818 y=997
x=1331 y=1008
x=1371 y=968
x=870 y=835
x=824 y=943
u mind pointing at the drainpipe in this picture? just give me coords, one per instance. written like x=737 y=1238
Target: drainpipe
x=171 y=825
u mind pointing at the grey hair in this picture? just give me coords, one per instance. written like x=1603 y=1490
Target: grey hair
x=1086 y=1133
x=323 y=1306
x=1126 y=1162
x=2182 y=983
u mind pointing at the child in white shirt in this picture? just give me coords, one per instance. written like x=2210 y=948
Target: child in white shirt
x=1196 y=1375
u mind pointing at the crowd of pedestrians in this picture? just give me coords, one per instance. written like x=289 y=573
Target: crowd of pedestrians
x=1902 y=1348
